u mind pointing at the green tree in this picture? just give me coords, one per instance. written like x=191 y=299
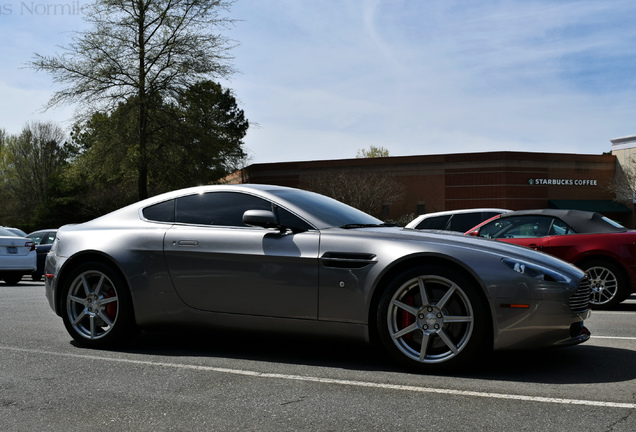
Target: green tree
x=372 y=152
x=205 y=142
x=138 y=52
x=32 y=162
x=198 y=138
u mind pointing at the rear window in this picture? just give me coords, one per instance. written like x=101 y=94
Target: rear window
x=162 y=212
x=612 y=222
x=435 y=223
x=6 y=233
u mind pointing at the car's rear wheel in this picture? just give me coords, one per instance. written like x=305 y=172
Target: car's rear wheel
x=97 y=309
x=432 y=318
x=609 y=284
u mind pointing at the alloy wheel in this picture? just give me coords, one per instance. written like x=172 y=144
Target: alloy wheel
x=604 y=285
x=92 y=305
x=430 y=319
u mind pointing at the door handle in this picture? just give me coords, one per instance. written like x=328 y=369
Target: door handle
x=535 y=247
x=188 y=243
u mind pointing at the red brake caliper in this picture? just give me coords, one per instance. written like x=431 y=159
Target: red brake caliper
x=111 y=308
x=407 y=318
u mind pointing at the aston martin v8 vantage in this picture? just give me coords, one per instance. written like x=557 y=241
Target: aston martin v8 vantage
x=278 y=259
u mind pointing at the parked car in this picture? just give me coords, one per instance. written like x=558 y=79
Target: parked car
x=43 y=240
x=17 y=257
x=277 y=259
x=454 y=220
x=603 y=248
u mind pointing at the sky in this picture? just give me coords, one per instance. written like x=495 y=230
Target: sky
x=322 y=79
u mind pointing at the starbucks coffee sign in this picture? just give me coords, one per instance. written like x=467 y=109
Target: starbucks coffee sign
x=562 y=182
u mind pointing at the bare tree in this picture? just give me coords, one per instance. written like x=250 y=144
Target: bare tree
x=140 y=51
x=624 y=183
x=366 y=191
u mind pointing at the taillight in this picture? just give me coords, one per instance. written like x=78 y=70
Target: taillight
x=30 y=245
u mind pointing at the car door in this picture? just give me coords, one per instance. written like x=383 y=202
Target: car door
x=218 y=264
x=562 y=240
x=530 y=230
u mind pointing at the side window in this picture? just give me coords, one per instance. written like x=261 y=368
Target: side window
x=37 y=238
x=49 y=238
x=217 y=208
x=522 y=227
x=560 y=228
x=290 y=220
x=162 y=212
x=462 y=222
x=437 y=222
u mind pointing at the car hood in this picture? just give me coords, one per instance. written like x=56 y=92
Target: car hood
x=429 y=238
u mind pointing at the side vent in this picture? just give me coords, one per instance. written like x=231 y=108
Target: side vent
x=344 y=260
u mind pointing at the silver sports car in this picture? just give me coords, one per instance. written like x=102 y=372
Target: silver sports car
x=278 y=259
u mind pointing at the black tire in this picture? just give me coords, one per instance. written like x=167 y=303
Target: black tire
x=443 y=331
x=609 y=284
x=12 y=278
x=97 y=309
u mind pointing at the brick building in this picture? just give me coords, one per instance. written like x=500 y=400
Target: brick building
x=624 y=148
x=512 y=180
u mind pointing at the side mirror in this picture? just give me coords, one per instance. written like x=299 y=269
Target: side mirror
x=474 y=233
x=260 y=218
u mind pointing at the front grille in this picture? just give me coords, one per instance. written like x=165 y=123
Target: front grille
x=580 y=300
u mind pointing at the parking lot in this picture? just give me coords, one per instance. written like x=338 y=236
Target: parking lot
x=207 y=381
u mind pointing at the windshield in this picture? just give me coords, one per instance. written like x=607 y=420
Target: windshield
x=329 y=211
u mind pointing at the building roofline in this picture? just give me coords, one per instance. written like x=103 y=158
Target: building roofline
x=623 y=140
x=447 y=157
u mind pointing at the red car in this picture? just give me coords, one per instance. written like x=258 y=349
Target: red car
x=601 y=247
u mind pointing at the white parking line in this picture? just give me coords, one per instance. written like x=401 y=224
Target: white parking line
x=596 y=312
x=614 y=337
x=367 y=384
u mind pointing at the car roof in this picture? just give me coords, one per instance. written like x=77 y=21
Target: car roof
x=580 y=221
x=44 y=231
x=472 y=210
x=424 y=216
x=208 y=188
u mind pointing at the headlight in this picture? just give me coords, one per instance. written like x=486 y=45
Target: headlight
x=535 y=271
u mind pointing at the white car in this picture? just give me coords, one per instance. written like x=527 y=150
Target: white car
x=455 y=220
x=17 y=257
x=15 y=231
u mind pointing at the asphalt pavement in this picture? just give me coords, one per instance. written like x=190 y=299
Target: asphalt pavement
x=203 y=381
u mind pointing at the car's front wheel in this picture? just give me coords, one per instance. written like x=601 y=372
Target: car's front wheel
x=609 y=284
x=97 y=309
x=432 y=318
